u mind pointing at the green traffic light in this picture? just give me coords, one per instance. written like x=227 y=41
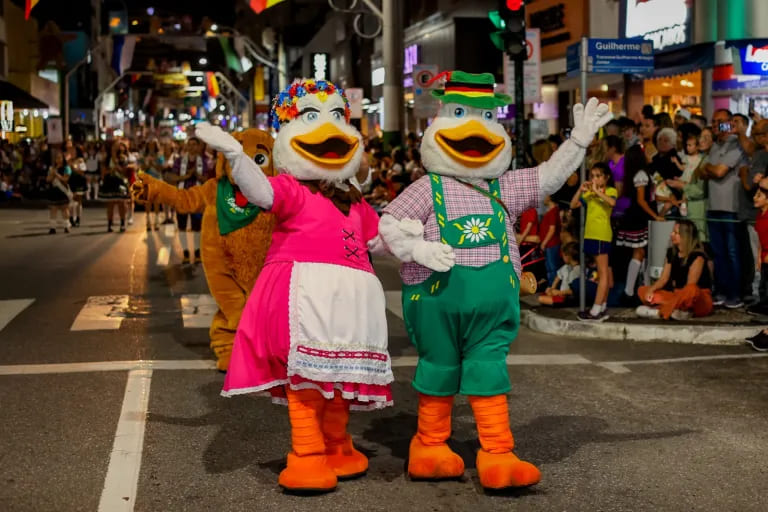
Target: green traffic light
x=497 y=38
x=497 y=20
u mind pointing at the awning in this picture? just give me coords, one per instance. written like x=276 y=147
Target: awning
x=20 y=97
x=684 y=60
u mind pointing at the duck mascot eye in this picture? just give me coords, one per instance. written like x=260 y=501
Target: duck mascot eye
x=313 y=333
x=453 y=230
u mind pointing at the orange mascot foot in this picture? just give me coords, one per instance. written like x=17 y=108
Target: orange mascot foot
x=502 y=470
x=308 y=473
x=497 y=466
x=307 y=468
x=343 y=458
x=429 y=456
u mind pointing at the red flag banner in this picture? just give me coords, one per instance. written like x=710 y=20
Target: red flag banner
x=260 y=5
x=30 y=4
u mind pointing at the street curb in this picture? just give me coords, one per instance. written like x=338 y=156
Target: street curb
x=669 y=333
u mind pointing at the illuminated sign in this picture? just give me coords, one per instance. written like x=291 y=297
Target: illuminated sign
x=411 y=58
x=377 y=76
x=6 y=116
x=321 y=66
x=665 y=22
x=754 y=60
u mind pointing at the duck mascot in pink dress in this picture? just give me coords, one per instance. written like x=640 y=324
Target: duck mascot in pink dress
x=314 y=332
x=453 y=229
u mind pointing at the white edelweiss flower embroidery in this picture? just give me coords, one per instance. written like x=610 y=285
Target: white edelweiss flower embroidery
x=475 y=230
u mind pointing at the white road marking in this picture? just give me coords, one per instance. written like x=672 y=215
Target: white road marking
x=102 y=312
x=106 y=366
x=10 y=308
x=163 y=255
x=395 y=303
x=169 y=230
x=122 y=479
x=197 y=311
x=621 y=366
x=397 y=362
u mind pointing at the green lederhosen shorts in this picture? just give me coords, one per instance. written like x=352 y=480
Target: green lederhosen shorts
x=462 y=321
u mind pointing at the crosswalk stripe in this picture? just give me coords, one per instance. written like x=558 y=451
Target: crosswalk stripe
x=170 y=230
x=102 y=312
x=10 y=308
x=197 y=311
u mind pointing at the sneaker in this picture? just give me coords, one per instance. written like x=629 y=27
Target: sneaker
x=52 y=231
x=185 y=260
x=647 y=312
x=197 y=256
x=680 y=315
x=130 y=221
x=71 y=221
x=759 y=342
x=66 y=230
x=734 y=303
x=109 y=229
x=719 y=300
x=586 y=316
x=149 y=228
x=77 y=222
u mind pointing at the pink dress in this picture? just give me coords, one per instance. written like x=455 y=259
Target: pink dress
x=317 y=315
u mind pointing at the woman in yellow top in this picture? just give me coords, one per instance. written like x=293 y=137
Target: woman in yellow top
x=599 y=198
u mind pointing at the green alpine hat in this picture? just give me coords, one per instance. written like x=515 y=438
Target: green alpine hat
x=471 y=89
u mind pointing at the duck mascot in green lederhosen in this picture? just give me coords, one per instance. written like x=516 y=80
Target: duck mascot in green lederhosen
x=453 y=229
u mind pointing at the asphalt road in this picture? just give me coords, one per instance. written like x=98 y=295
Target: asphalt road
x=122 y=411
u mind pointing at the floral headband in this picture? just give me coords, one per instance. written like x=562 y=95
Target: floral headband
x=284 y=107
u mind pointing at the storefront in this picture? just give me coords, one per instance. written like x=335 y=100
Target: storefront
x=21 y=114
x=740 y=78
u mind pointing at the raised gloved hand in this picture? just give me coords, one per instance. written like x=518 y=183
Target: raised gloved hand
x=140 y=188
x=435 y=256
x=219 y=140
x=587 y=120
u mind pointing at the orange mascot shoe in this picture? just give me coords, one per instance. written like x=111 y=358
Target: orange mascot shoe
x=342 y=457
x=307 y=469
x=429 y=456
x=497 y=466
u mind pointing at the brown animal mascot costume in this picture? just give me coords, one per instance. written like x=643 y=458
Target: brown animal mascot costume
x=235 y=234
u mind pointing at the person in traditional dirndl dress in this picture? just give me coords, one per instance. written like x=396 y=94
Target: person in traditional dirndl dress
x=313 y=333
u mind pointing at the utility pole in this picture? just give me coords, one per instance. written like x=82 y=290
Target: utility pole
x=392 y=35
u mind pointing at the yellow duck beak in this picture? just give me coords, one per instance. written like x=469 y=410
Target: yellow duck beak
x=470 y=144
x=326 y=146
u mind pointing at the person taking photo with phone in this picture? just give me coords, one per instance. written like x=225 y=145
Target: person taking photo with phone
x=725 y=160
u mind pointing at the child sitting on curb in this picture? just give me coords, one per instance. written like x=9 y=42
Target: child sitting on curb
x=560 y=293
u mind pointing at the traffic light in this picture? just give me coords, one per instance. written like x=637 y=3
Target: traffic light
x=509 y=20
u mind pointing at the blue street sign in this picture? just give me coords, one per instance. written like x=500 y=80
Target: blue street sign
x=633 y=56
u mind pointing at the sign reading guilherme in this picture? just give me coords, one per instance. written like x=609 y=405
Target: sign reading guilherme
x=665 y=22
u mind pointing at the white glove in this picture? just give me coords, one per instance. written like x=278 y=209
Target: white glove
x=411 y=227
x=587 y=120
x=435 y=256
x=219 y=140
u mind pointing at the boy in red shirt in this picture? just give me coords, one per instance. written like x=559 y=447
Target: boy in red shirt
x=549 y=233
x=760 y=342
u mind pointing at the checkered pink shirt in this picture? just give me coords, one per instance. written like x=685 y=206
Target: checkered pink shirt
x=519 y=191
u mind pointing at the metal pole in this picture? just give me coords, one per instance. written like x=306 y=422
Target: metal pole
x=519 y=115
x=392 y=48
x=582 y=211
